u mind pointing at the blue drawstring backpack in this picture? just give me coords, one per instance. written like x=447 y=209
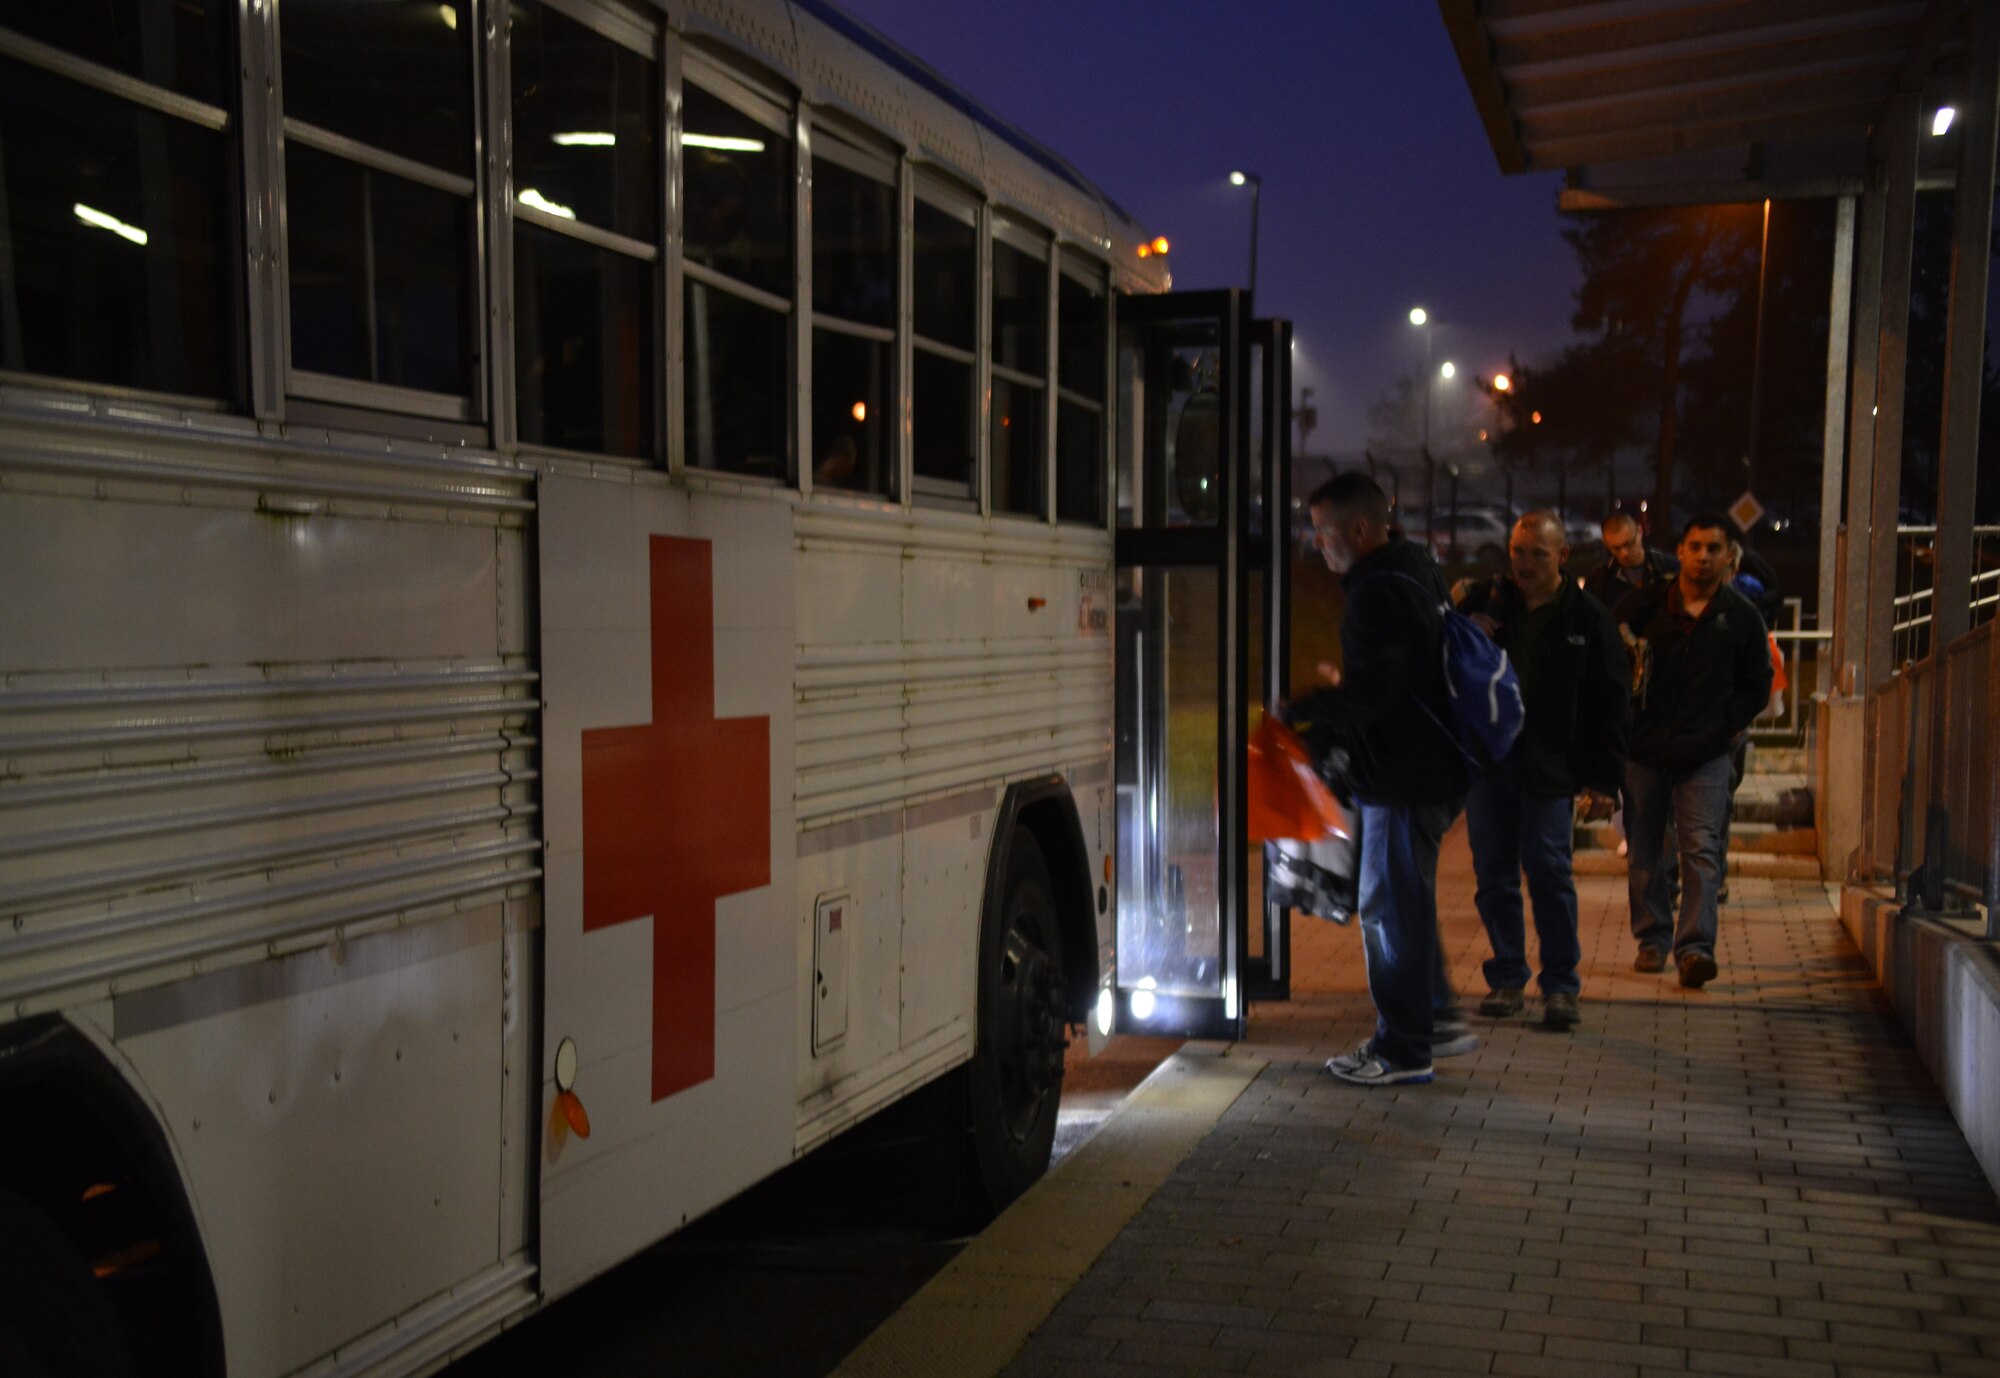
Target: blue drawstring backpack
x=1485 y=692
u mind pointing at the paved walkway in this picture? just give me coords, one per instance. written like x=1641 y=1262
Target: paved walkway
x=1758 y=1178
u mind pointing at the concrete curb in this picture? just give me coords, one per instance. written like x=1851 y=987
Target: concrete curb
x=1945 y=984
x=973 y=1317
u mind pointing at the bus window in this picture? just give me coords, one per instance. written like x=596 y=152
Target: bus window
x=379 y=187
x=116 y=222
x=1019 y=338
x=854 y=317
x=1082 y=326
x=586 y=236
x=944 y=302
x=736 y=175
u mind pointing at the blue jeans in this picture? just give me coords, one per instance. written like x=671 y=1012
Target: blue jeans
x=1514 y=833
x=1399 y=926
x=1693 y=802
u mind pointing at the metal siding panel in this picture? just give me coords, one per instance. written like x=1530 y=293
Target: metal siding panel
x=325 y=1138
x=651 y=1165
x=97 y=585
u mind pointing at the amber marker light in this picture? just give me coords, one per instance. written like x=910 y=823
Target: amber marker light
x=1536 y=418
x=1160 y=245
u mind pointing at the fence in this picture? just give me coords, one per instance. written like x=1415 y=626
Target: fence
x=1800 y=649
x=1896 y=825
x=1916 y=571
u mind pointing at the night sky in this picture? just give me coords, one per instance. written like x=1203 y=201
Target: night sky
x=1380 y=191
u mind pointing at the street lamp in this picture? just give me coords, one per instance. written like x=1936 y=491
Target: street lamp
x=1422 y=320
x=1256 y=185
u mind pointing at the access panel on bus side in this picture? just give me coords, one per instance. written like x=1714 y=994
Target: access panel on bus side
x=666 y=635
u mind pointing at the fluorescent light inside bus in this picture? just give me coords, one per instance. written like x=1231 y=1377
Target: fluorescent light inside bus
x=534 y=200
x=722 y=143
x=100 y=220
x=585 y=139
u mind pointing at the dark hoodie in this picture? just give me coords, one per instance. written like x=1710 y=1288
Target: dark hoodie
x=1706 y=678
x=1387 y=715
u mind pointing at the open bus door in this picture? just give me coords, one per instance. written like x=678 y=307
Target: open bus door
x=1203 y=554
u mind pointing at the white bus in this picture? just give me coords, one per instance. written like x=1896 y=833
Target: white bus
x=555 y=648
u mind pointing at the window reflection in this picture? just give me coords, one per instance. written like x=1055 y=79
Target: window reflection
x=941 y=418
x=854 y=245
x=379 y=284
x=393 y=74
x=850 y=416
x=1016 y=448
x=737 y=177
x=584 y=152
x=114 y=236
x=945 y=287
x=583 y=345
x=584 y=114
x=734 y=383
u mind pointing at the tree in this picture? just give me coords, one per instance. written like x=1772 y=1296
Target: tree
x=1644 y=273
x=1576 y=414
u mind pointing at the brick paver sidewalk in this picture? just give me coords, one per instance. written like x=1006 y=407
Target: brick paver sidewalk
x=1758 y=1178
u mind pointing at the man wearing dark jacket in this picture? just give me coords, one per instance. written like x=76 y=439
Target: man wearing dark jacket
x=1386 y=716
x=1629 y=563
x=1575 y=680
x=1704 y=673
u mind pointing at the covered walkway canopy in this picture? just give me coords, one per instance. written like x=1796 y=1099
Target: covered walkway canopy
x=1681 y=102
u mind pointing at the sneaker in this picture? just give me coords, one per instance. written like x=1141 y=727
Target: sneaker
x=1364 y=1068
x=1650 y=959
x=1452 y=1038
x=1501 y=1002
x=1559 y=1012
x=1697 y=969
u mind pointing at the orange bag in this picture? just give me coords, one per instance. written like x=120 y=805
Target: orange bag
x=1288 y=800
x=1780 y=682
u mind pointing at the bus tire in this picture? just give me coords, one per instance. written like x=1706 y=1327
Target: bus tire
x=1017 y=1068
x=55 y=1321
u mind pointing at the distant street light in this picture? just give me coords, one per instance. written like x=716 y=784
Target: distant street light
x=1502 y=383
x=1448 y=370
x=1422 y=320
x=1256 y=185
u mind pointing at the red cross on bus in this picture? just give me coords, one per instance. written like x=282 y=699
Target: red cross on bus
x=677 y=814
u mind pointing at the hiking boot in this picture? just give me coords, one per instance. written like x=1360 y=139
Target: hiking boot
x=1502 y=1001
x=1650 y=959
x=1559 y=1012
x=1364 y=1067
x=1697 y=969
x=1452 y=1038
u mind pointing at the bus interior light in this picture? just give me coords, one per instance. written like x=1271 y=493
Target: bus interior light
x=722 y=143
x=89 y=215
x=1143 y=1004
x=585 y=139
x=534 y=200
x=1107 y=1006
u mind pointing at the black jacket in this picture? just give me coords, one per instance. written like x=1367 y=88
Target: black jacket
x=1577 y=692
x=1703 y=683
x=1606 y=587
x=1392 y=653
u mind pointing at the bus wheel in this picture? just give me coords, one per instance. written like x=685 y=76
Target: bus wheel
x=55 y=1321
x=1017 y=1072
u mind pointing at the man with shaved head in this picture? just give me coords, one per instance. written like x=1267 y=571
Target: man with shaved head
x=1629 y=563
x=1520 y=814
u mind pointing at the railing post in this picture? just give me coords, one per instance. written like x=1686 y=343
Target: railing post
x=1992 y=784
x=1877 y=516
x=1964 y=370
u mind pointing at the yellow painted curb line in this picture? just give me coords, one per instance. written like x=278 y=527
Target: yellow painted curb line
x=974 y=1316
